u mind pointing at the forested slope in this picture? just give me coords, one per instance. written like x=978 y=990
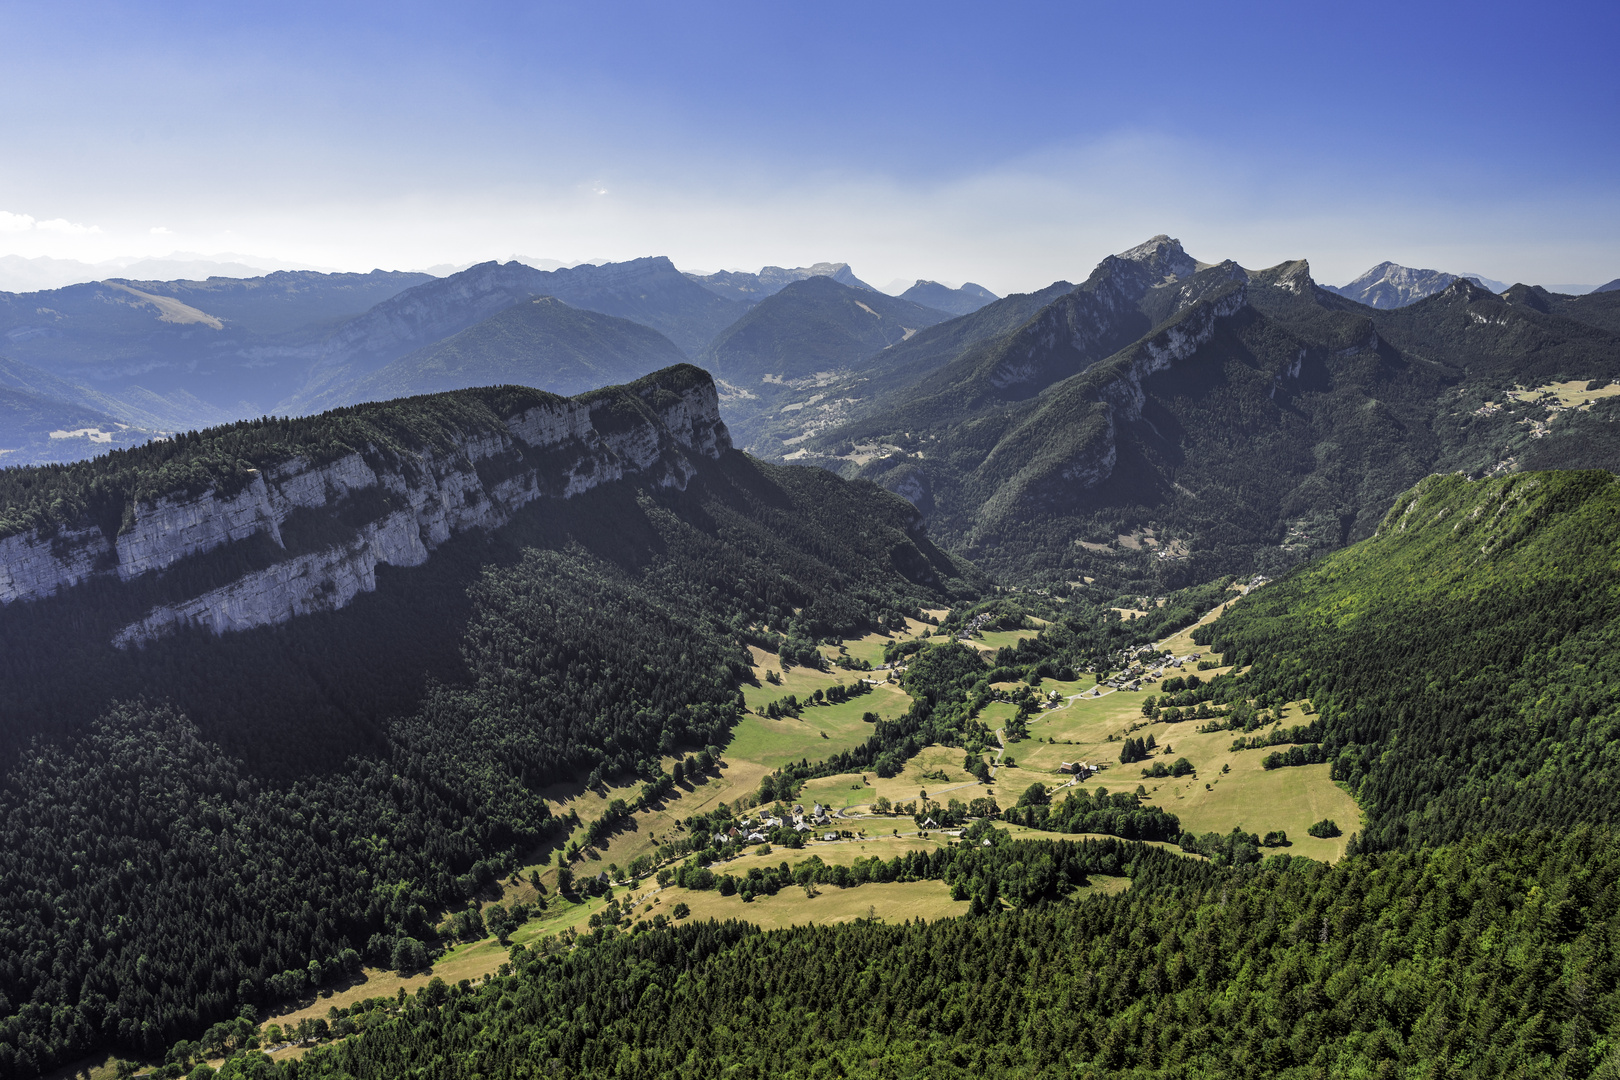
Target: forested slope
x=1491 y=958
x=307 y=792
x=1464 y=663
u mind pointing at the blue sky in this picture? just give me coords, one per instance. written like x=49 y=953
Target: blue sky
x=1009 y=144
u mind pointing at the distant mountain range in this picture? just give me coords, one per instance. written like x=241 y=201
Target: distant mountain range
x=813 y=325
x=963 y=301
x=812 y=364
x=750 y=289
x=153 y=355
x=542 y=343
x=647 y=291
x=19 y=274
x=1170 y=420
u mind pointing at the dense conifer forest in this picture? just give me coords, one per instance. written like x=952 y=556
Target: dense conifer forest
x=1492 y=957
x=1470 y=932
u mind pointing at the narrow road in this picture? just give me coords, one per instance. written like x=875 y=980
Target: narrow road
x=1001 y=737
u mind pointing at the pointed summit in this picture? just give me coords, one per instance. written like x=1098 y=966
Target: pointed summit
x=1295 y=276
x=1163 y=256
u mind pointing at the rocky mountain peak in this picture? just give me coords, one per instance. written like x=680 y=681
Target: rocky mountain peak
x=1464 y=289
x=1294 y=276
x=1163 y=255
x=1391 y=285
x=1127 y=277
x=1530 y=296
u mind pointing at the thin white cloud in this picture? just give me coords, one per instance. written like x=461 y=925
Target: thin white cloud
x=158 y=230
x=17 y=223
x=66 y=227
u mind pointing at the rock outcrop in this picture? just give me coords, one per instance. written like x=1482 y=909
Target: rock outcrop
x=651 y=430
x=1177 y=341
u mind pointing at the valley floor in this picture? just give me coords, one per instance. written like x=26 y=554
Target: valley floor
x=1089 y=725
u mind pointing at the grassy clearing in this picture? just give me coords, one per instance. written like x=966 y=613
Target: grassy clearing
x=992 y=640
x=996 y=714
x=886 y=901
x=821 y=732
x=1253 y=798
x=1568 y=394
x=1181 y=642
x=1246 y=796
x=469 y=960
x=1101 y=885
x=870 y=648
x=937 y=770
x=798 y=680
x=96 y=1068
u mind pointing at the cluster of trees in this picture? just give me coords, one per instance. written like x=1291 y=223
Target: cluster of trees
x=1134 y=750
x=1093 y=811
x=1236 y=848
x=1310 y=754
x=1280 y=736
x=1180 y=767
x=1024 y=873
x=1490 y=956
x=1187 y=698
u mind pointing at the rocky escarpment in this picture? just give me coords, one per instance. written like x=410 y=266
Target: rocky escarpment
x=1122 y=394
x=1178 y=341
x=371 y=508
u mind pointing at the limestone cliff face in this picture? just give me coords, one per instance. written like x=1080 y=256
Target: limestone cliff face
x=1120 y=397
x=1175 y=342
x=650 y=431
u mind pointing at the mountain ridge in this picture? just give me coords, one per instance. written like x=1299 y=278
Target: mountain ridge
x=543 y=343
x=1282 y=433
x=750 y=289
x=959 y=301
x=816 y=324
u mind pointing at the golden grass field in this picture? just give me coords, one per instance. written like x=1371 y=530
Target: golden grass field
x=884 y=901
x=1570 y=394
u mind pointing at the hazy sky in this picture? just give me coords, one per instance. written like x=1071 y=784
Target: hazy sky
x=1009 y=144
